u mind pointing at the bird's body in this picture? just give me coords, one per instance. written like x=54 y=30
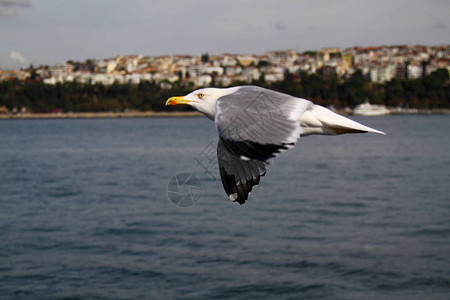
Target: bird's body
x=255 y=124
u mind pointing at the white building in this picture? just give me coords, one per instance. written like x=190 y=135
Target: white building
x=106 y=66
x=414 y=71
x=251 y=73
x=223 y=80
x=232 y=71
x=196 y=70
x=273 y=76
x=381 y=74
x=212 y=70
x=227 y=60
x=204 y=80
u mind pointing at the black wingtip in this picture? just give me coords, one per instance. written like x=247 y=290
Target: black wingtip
x=239 y=190
x=236 y=185
x=239 y=201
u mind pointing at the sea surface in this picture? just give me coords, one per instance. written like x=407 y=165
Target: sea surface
x=85 y=213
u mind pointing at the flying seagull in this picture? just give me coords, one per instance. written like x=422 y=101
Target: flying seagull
x=256 y=124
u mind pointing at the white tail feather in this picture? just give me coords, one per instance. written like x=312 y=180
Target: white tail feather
x=320 y=120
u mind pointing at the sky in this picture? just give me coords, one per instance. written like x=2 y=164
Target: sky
x=44 y=32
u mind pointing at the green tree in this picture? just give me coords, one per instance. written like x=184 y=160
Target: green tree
x=205 y=58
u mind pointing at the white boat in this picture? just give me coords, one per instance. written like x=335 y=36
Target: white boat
x=367 y=109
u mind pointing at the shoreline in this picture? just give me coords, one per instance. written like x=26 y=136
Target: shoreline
x=175 y=114
x=100 y=115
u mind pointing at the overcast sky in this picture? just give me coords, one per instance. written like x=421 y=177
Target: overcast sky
x=51 y=31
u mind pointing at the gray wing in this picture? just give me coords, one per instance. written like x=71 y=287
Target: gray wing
x=238 y=176
x=257 y=123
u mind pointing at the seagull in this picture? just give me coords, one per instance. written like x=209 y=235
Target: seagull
x=255 y=124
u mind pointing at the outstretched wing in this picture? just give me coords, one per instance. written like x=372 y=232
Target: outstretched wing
x=257 y=123
x=238 y=176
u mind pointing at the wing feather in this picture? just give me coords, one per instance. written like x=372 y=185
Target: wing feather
x=238 y=176
x=257 y=123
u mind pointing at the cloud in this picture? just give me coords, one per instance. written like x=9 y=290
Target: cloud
x=8 y=7
x=17 y=58
x=13 y=60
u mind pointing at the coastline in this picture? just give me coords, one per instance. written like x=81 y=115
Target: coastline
x=166 y=114
x=97 y=115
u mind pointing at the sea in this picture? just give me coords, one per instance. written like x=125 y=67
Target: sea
x=133 y=208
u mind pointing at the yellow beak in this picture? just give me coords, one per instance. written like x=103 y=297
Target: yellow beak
x=177 y=100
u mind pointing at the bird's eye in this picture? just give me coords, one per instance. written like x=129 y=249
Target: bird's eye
x=200 y=95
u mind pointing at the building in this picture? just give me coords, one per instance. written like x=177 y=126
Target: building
x=414 y=71
x=382 y=73
x=60 y=71
x=401 y=71
x=106 y=66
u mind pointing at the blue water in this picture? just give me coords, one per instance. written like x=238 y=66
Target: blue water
x=84 y=214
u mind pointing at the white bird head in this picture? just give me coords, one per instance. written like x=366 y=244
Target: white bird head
x=204 y=100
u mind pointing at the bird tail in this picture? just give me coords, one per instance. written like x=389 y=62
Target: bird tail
x=320 y=120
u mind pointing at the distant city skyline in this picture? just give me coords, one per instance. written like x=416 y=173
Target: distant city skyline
x=49 y=31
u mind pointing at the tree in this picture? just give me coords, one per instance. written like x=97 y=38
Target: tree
x=205 y=57
x=352 y=92
x=262 y=63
